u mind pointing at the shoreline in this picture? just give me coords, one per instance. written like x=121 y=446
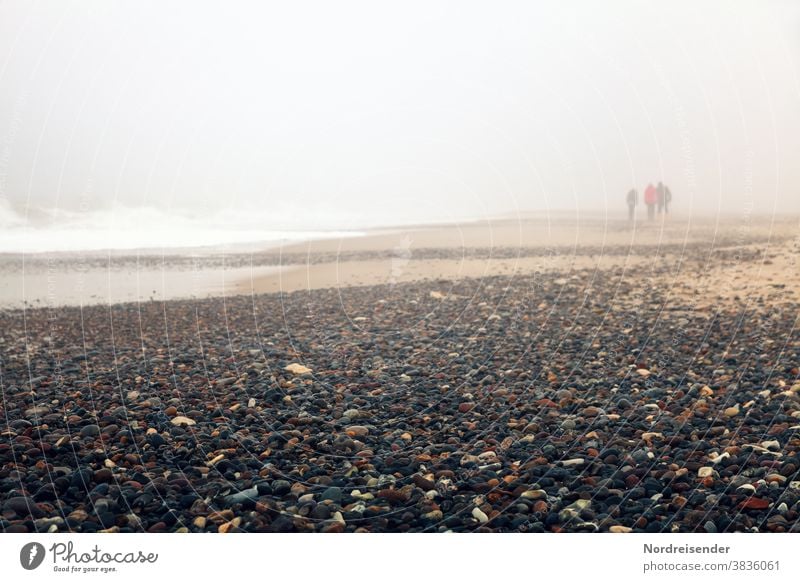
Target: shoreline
x=382 y=257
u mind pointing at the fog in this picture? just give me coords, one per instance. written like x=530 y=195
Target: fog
x=314 y=115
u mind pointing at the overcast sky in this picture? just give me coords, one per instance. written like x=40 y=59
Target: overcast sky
x=355 y=113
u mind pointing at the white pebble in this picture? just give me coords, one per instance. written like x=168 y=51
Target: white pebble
x=771 y=445
x=703 y=472
x=572 y=462
x=479 y=515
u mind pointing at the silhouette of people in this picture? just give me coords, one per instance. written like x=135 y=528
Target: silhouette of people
x=660 y=197
x=632 y=199
x=650 y=199
x=667 y=199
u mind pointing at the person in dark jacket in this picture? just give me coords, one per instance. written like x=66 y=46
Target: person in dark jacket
x=667 y=199
x=632 y=199
x=660 y=197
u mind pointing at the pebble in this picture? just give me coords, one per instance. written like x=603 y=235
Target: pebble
x=754 y=503
x=37 y=411
x=357 y=430
x=572 y=462
x=281 y=487
x=423 y=483
x=23 y=506
x=156 y=440
x=179 y=420
x=242 y=496
x=333 y=494
x=78 y=516
x=90 y=430
x=533 y=494
x=298 y=369
x=103 y=475
x=230 y=526
x=479 y=515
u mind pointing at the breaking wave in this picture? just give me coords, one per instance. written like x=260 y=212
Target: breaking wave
x=129 y=228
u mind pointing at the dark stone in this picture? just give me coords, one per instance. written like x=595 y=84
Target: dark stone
x=281 y=487
x=332 y=493
x=90 y=430
x=23 y=506
x=156 y=440
x=103 y=475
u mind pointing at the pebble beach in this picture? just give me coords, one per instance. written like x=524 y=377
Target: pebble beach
x=656 y=391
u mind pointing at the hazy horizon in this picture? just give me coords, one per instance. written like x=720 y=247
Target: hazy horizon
x=309 y=118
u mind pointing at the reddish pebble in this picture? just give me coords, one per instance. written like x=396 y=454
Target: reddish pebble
x=103 y=475
x=754 y=503
x=631 y=481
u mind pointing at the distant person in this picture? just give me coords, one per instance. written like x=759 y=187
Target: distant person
x=660 y=197
x=632 y=199
x=650 y=199
x=667 y=199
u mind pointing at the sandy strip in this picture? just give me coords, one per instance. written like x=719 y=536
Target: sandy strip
x=762 y=255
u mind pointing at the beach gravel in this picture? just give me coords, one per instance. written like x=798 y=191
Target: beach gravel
x=590 y=401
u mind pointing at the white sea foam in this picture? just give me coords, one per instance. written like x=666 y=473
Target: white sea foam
x=122 y=228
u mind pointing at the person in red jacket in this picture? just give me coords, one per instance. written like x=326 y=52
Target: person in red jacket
x=650 y=199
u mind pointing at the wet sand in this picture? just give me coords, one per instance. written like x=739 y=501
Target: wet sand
x=707 y=255
x=526 y=244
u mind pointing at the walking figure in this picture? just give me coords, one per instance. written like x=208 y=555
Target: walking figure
x=660 y=197
x=667 y=199
x=632 y=199
x=650 y=199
